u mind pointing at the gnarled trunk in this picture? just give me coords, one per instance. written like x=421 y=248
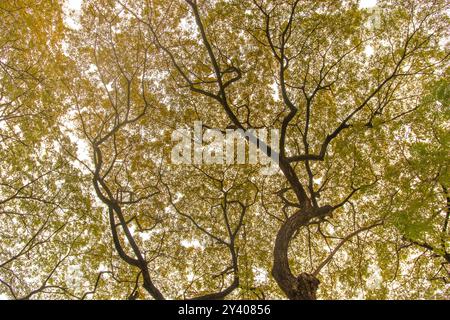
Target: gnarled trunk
x=303 y=286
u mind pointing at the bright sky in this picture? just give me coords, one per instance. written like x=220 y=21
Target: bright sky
x=367 y=3
x=74 y=4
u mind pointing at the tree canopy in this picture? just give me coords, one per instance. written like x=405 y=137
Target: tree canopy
x=93 y=207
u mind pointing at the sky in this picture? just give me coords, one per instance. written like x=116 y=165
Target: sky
x=367 y=3
x=74 y=4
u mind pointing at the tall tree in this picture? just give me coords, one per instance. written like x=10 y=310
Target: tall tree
x=92 y=201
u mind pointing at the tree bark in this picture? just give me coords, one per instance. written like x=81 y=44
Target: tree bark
x=304 y=286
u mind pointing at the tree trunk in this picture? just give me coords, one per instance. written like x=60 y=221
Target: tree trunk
x=304 y=286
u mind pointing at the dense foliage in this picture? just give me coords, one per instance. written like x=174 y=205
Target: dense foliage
x=92 y=207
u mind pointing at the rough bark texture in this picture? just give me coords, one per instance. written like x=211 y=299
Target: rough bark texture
x=306 y=287
x=303 y=286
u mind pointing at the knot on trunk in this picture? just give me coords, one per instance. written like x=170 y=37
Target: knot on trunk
x=307 y=286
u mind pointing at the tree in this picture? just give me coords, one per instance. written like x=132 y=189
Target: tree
x=43 y=212
x=358 y=207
